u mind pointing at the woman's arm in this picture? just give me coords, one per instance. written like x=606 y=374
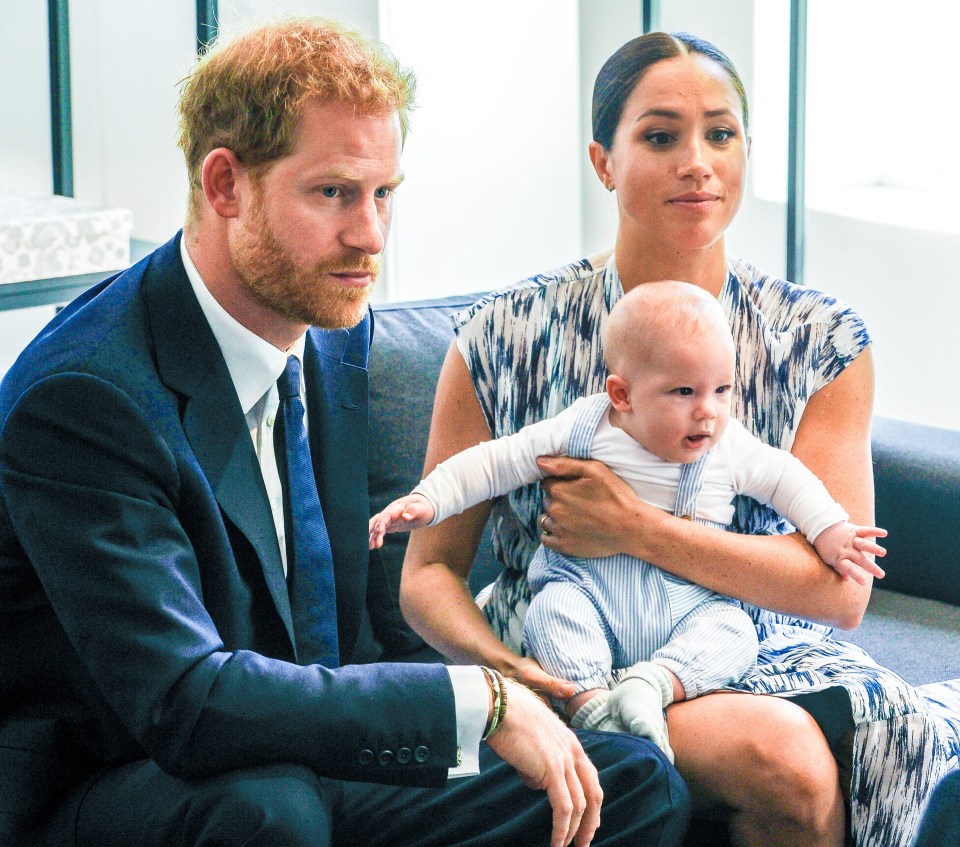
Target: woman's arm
x=434 y=595
x=592 y=512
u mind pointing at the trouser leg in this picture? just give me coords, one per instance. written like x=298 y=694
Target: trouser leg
x=564 y=632
x=138 y=805
x=645 y=803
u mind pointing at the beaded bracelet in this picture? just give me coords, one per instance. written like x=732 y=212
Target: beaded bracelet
x=502 y=685
x=499 y=690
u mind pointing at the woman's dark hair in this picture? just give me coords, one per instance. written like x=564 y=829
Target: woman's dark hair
x=625 y=68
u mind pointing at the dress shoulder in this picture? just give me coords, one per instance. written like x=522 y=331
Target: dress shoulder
x=521 y=295
x=787 y=306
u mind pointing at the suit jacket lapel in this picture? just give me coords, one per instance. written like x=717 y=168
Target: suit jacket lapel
x=189 y=361
x=336 y=378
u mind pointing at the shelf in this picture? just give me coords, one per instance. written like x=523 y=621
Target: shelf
x=62 y=289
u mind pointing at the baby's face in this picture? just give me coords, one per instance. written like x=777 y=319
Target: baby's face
x=680 y=397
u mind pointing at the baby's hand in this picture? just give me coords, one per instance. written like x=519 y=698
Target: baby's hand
x=847 y=549
x=401 y=515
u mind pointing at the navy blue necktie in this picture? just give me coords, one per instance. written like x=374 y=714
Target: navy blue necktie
x=313 y=598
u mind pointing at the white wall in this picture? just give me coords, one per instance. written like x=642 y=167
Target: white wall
x=25 y=159
x=125 y=73
x=600 y=36
x=25 y=163
x=492 y=189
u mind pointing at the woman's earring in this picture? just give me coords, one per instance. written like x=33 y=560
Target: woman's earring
x=608 y=186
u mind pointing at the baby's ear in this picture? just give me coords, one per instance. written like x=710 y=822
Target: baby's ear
x=619 y=393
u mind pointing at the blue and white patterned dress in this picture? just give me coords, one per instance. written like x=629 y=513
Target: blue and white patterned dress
x=535 y=346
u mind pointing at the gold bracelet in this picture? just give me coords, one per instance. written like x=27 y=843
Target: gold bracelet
x=496 y=690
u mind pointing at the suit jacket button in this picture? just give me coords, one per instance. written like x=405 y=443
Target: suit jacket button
x=385 y=758
x=404 y=755
x=421 y=754
x=365 y=757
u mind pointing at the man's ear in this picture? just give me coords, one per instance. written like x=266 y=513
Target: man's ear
x=619 y=393
x=221 y=175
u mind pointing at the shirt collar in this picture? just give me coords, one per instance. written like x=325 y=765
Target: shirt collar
x=254 y=364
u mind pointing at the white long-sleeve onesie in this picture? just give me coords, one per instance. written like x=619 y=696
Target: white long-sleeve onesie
x=741 y=464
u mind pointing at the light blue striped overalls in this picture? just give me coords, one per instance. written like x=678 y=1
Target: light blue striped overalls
x=590 y=618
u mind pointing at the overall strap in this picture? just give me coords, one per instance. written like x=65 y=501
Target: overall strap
x=585 y=426
x=691 y=481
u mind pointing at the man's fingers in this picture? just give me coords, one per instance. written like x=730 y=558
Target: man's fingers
x=559 y=796
x=589 y=784
x=577 y=798
x=568 y=798
x=548 y=757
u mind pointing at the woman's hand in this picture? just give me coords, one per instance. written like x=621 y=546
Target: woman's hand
x=589 y=511
x=528 y=671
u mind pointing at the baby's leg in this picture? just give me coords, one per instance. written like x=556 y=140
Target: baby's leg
x=564 y=632
x=713 y=645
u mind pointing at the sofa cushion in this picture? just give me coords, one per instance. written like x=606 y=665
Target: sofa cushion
x=410 y=341
x=916 y=637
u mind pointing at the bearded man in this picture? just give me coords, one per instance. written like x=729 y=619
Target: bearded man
x=183 y=525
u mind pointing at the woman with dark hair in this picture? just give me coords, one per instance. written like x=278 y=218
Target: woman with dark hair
x=670 y=127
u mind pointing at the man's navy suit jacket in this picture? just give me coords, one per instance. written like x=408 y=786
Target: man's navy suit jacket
x=142 y=597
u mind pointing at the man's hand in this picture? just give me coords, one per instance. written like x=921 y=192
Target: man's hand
x=548 y=756
x=410 y=512
x=847 y=548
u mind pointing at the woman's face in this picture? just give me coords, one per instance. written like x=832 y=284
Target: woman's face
x=678 y=158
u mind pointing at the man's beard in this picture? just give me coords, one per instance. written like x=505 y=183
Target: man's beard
x=299 y=293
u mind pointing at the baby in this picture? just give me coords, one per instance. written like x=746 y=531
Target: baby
x=631 y=637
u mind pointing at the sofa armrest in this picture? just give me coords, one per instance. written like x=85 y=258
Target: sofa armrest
x=917 y=483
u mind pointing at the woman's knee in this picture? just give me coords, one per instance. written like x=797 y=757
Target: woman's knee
x=755 y=754
x=794 y=768
x=277 y=804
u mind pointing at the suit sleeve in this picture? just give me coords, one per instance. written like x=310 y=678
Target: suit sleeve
x=100 y=504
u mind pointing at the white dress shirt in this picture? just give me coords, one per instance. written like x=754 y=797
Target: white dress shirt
x=255 y=366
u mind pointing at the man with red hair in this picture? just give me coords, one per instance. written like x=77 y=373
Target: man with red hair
x=183 y=525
